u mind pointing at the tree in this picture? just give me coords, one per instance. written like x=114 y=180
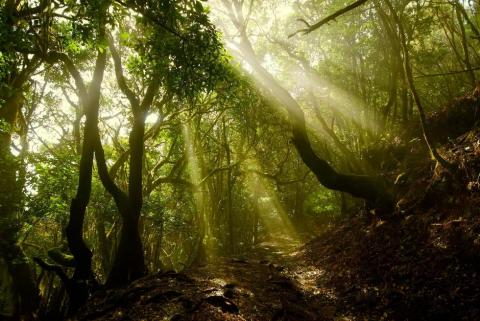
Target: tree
x=372 y=189
x=16 y=70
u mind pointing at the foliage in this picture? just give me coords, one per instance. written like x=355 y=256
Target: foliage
x=220 y=174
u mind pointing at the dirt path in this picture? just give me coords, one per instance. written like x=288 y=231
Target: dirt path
x=271 y=283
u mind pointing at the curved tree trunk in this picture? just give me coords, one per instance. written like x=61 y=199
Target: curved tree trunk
x=78 y=287
x=80 y=284
x=129 y=262
x=372 y=189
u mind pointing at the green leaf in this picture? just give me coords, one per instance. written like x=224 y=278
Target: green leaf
x=198 y=7
x=124 y=36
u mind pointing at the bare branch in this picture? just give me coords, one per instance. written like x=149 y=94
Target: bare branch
x=329 y=18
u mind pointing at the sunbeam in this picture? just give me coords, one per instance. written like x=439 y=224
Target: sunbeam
x=201 y=195
x=336 y=99
x=269 y=208
x=328 y=96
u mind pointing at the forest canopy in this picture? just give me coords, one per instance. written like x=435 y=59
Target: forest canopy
x=139 y=136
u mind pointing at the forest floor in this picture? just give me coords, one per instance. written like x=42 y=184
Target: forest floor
x=271 y=283
x=420 y=263
x=356 y=270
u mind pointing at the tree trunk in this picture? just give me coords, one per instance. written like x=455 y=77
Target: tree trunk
x=466 y=52
x=372 y=189
x=229 y=187
x=416 y=97
x=137 y=266
x=103 y=243
x=129 y=263
x=79 y=286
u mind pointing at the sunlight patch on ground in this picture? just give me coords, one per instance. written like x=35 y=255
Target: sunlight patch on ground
x=308 y=279
x=271 y=213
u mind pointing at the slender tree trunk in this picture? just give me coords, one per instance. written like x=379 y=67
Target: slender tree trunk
x=406 y=104
x=229 y=187
x=298 y=209
x=83 y=275
x=256 y=221
x=392 y=92
x=416 y=97
x=466 y=52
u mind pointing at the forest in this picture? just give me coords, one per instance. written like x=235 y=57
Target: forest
x=239 y=160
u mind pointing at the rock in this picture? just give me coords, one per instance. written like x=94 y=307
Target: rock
x=223 y=303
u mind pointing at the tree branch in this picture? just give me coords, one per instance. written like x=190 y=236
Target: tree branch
x=280 y=182
x=152 y=90
x=122 y=83
x=218 y=169
x=326 y=20
x=118 y=195
x=57 y=269
x=53 y=57
x=448 y=73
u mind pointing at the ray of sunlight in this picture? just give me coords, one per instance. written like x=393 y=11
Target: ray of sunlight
x=201 y=197
x=270 y=210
